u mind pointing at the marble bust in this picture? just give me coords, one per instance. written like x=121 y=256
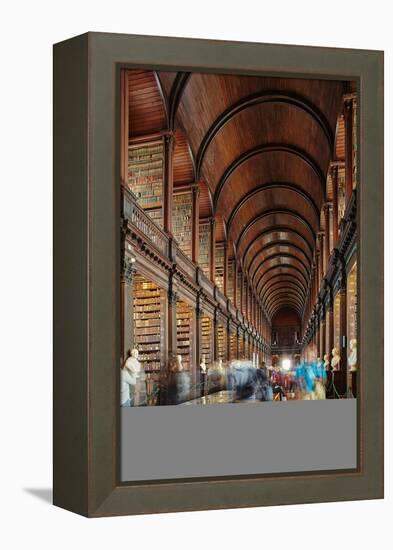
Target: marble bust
x=336 y=359
x=326 y=361
x=133 y=364
x=203 y=364
x=352 y=359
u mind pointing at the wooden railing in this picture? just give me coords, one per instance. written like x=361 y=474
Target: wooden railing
x=137 y=217
x=142 y=224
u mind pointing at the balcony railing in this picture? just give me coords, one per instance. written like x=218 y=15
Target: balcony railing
x=137 y=217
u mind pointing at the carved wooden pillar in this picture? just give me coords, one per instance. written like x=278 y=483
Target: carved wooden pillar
x=228 y=341
x=198 y=339
x=215 y=338
x=124 y=127
x=322 y=332
x=212 y=249
x=322 y=266
x=317 y=273
x=327 y=248
x=330 y=325
x=172 y=331
x=348 y=148
x=343 y=336
x=169 y=144
x=225 y=284
x=195 y=225
x=334 y=176
x=127 y=304
x=246 y=299
x=235 y=283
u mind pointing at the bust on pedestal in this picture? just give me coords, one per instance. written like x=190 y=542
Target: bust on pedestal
x=336 y=359
x=352 y=359
x=326 y=362
x=135 y=368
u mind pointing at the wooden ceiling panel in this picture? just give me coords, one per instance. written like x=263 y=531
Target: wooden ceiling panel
x=167 y=79
x=284 y=251
x=273 y=238
x=279 y=199
x=207 y=96
x=183 y=171
x=205 y=203
x=146 y=108
x=279 y=270
x=265 y=124
x=270 y=168
x=271 y=221
x=265 y=267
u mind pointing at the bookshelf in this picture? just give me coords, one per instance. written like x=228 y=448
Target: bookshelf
x=238 y=289
x=204 y=248
x=148 y=319
x=219 y=267
x=336 y=321
x=341 y=192
x=352 y=304
x=145 y=177
x=232 y=346
x=230 y=283
x=246 y=348
x=182 y=221
x=184 y=332
x=221 y=342
x=241 y=345
x=206 y=339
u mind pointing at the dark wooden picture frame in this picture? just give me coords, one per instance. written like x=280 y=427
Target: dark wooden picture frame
x=87 y=273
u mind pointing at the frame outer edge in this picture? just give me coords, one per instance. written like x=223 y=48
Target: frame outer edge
x=70 y=268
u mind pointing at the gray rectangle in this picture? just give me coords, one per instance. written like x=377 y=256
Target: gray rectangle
x=239 y=439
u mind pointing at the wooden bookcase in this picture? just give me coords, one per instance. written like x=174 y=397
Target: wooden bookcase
x=221 y=342
x=145 y=177
x=182 y=221
x=230 y=282
x=149 y=329
x=204 y=248
x=219 y=267
x=207 y=339
x=232 y=346
x=184 y=332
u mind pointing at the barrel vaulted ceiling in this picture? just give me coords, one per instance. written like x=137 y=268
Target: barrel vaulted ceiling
x=261 y=148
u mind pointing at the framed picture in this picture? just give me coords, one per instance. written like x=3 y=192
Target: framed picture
x=218 y=274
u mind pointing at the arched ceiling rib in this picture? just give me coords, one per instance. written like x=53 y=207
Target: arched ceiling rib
x=262 y=146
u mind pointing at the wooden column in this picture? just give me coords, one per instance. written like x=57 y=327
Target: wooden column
x=215 y=338
x=334 y=176
x=225 y=283
x=127 y=303
x=348 y=148
x=322 y=266
x=195 y=225
x=172 y=330
x=124 y=127
x=235 y=283
x=212 y=250
x=322 y=331
x=317 y=273
x=327 y=249
x=343 y=337
x=169 y=143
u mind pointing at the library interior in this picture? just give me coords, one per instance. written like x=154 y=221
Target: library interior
x=238 y=237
